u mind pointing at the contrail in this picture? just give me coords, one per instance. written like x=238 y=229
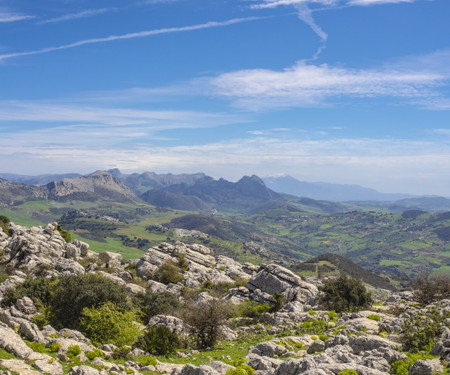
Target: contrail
x=140 y=34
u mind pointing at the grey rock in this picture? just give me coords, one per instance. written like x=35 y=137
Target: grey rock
x=111 y=259
x=51 y=367
x=424 y=367
x=172 y=323
x=26 y=305
x=83 y=370
x=273 y=279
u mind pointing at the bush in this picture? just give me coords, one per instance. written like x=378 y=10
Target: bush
x=108 y=325
x=169 y=273
x=252 y=309
x=73 y=293
x=323 y=337
x=428 y=289
x=40 y=320
x=39 y=290
x=206 y=319
x=313 y=327
x=159 y=341
x=374 y=317
x=4 y=224
x=422 y=331
x=278 y=302
x=36 y=346
x=145 y=360
x=402 y=367
x=348 y=372
x=345 y=293
x=241 y=370
x=73 y=351
x=151 y=304
x=64 y=234
x=54 y=347
x=94 y=354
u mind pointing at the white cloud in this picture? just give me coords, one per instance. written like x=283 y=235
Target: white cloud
x=7 y=16
x=140 y=34
x=306 y=84
x=83 y=14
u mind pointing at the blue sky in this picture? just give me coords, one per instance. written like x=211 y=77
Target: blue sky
x=343 y=91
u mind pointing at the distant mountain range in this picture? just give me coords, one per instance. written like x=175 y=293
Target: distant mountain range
x=199 y=192
x=327 y=191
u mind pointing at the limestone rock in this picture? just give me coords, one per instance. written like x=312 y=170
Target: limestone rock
x=111 y=259
x=172 y=323
x=18 y=366
x=83 y=370
x=51 y=366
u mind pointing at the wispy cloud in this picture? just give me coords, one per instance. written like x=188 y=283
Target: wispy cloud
x=83 y=14
x=306 y=84
x=140 y=34
x=7 y=16
x=305 y=11
x=44 y=112
x=377 y=2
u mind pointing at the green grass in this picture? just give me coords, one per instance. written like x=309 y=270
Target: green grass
x=111 y=244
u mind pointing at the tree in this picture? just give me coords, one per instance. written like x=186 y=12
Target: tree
x=73 y=293
x=344 y=293
x=108 y=325
x=427 y=289
x=159 y=340
x=206 y=319
x=152 y=303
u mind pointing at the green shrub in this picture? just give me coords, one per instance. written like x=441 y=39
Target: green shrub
x=241 y=370
x=332 y=315
x=323 y=337
x=38 y=289
x=159 y=341
x=312 y=312
x=4 y=224
x=169 y=273
x=146 y=361
x=94 y=354
x=344 y=294
x=348 y=372
x=73 y=293
x=313 y=327
x=73 y=351
x=54 y=347
x=278 y=300
x=402 y=367
x=183 y=264
x=374 y=317
x=151 y=304
x=64 y=234
x=40 y=320
x=422 y=331
x=36 y=346
x=252 y=309
x=108 y=325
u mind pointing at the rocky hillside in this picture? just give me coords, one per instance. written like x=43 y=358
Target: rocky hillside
x=181 y=310
x=96 y=186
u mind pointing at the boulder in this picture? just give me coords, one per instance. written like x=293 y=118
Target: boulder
x=172 y=323
x=111 y=259
x=83 y=370
x=273 y=279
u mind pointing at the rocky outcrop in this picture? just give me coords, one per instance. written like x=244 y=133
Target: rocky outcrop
x=42 y=250
x=202 y=266
x=272 y=279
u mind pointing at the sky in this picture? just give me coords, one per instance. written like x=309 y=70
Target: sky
x=340 y=91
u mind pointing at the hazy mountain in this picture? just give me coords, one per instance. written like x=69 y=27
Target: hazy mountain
x=42 y=179
x=439 y=204
x=12 y=193
x=98 y=185
x=141 y=183
x=328 y=191
x=176 y=201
